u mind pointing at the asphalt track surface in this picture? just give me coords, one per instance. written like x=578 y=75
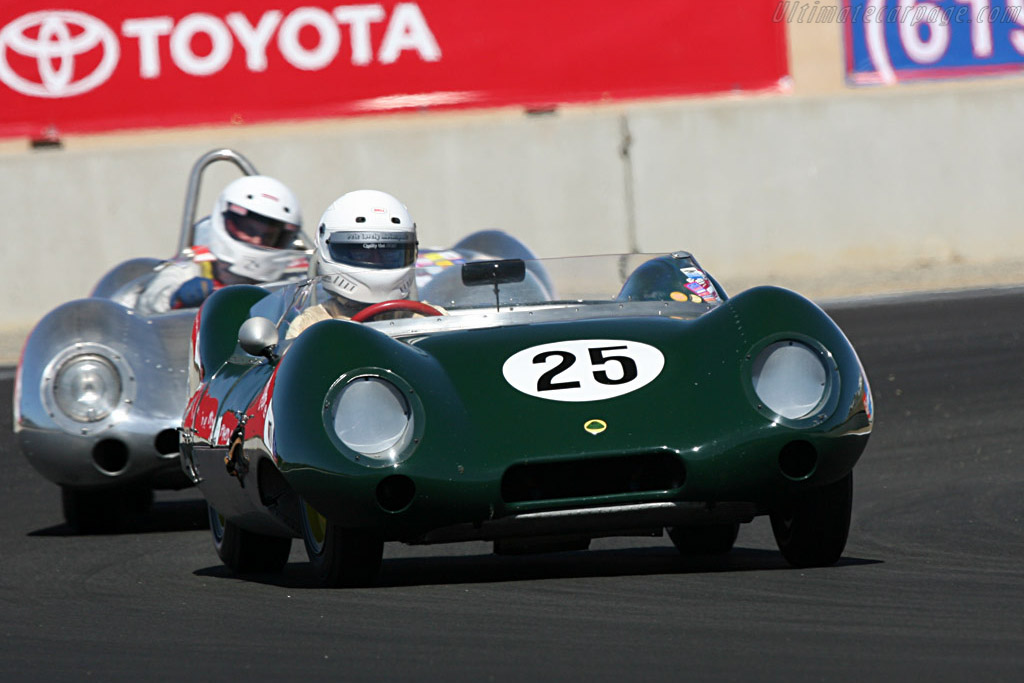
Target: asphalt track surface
x=931 y=586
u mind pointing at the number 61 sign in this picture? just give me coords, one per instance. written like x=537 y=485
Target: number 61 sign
x=583 y=369
x=894 y=40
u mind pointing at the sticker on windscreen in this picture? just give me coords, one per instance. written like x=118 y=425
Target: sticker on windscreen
x=583 y=369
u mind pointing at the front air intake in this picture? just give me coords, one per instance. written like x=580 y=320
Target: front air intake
x=110 y=456
x=798 y=459
x=639 y=473
x=395 y=493
x=166 y=442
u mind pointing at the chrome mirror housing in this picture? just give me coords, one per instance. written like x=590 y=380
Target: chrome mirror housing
x=258 y=337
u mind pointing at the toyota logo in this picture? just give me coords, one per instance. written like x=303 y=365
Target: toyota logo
x=54 y=40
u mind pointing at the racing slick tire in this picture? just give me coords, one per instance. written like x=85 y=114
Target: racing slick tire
x=339 y=557
x=246 y=552
x=811 y=530
x=709 y=539
x=91 y=512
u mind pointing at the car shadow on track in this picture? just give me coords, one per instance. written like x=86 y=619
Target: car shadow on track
x=472 y=569
x=162 y=517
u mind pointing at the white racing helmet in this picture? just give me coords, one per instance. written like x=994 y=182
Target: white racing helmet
x=366 y=248
x=254 y=225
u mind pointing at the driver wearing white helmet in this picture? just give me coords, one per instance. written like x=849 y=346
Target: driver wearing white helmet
x=253 y=229
x=365 y=253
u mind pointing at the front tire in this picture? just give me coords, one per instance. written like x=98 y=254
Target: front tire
x=339 y=557
x=246 y=552
x=811 y=530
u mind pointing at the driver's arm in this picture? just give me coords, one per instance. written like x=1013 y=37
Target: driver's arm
x=156 y=297
x=310 y=316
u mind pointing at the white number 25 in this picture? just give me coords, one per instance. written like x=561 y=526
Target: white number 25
x=583 y=369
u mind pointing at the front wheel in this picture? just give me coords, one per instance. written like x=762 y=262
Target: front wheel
x=339 y=557
x=246 y=552
x=811 y=529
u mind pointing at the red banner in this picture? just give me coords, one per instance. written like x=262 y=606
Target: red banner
x=94 y=65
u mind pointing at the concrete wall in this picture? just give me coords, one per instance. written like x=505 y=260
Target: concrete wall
x=827 y=189
x=555 y=180
x=880 y=182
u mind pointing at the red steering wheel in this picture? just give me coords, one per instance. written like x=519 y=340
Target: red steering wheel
x=373 y=310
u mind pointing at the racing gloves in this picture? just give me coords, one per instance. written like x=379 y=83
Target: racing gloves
x=192 y=292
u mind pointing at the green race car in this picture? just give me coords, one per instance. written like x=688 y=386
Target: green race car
x=534 y=403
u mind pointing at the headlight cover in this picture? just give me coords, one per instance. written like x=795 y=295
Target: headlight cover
x=373 y=419
x=790 y=379
x=87 y=387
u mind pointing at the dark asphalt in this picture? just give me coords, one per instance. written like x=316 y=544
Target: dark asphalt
x=931 y=586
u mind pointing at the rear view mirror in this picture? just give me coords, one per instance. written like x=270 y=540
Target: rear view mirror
x=493 y=272
x=258 y=337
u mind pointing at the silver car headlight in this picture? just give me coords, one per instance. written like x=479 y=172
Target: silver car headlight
x=373 y=419
x=87 y=387
x=790 y=378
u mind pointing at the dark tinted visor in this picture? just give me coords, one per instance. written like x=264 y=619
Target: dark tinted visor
x=252 y=228
x=373 y=249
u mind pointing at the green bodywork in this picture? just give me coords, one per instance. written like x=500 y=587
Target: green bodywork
x=472 y=426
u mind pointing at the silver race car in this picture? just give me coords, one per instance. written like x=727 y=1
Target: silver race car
x=101 y=385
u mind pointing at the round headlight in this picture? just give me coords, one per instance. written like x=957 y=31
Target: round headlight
x=789 y=378
x=87 y=388
x=372 y=417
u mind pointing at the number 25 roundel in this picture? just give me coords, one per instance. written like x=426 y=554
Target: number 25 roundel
x=583 y=369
